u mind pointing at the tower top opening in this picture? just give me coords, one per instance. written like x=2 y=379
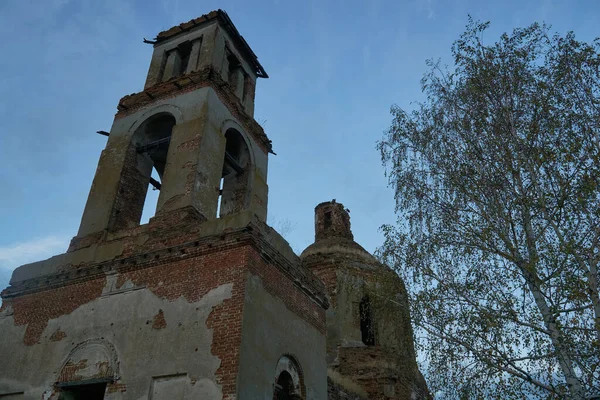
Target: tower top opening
x=221 y=16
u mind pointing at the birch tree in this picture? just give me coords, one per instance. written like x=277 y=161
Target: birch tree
x=497 y=186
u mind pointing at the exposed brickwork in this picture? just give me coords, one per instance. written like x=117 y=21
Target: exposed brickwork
x=388 y=369
x=35 y=310
x=114 y=387
x=328 y=275
x=159 y=321
x=57 y=336
x=199 y=269
x=177 y=257
x=332 y=220
x=381 y=373
x=337 y=392
x=193 y=278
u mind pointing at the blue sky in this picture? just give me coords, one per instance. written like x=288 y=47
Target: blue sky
x=335 y=69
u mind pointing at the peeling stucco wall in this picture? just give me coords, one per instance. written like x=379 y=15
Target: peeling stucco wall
x=122 y=317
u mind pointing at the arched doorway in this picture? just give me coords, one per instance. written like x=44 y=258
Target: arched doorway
x=289 y=381
x=87 y=370
x=284 y=387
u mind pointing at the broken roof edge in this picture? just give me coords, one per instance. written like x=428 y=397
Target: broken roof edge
x=229 y=26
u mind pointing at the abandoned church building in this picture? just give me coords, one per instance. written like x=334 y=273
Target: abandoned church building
x=205 y=301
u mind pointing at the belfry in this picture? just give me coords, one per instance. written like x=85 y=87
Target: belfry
x=205 y=301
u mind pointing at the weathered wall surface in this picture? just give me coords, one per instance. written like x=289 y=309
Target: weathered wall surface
x=172 y=311
x=194 y=162
x=212 y=45
x=382 y=364
x=382 y=374
x=280 y=320
x=387 y=370
x=186 y=306
x=163 y=321
x=340 y=391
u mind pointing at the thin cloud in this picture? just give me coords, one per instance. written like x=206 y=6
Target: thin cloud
x=14 y=255
x=428 y=7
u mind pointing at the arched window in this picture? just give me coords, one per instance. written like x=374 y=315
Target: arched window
x=289 y=381
x=234 y=178
x=367 y=325
x=152 y=145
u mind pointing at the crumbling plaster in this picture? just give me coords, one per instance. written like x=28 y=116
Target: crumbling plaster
x=122 y=316
x=194 y=162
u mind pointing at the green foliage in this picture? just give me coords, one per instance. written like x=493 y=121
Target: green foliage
x=496 y=179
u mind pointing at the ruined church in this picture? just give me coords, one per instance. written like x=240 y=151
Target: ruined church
x=205 y=301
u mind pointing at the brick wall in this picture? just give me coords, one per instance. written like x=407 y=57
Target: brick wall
x=192 y=278
x=189 y=272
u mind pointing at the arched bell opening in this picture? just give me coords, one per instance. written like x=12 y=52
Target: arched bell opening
x=234 y=189
x=147 y=152
x=152 y=141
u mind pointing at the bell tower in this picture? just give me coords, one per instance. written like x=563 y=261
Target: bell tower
x=193 y=124
x=205 y=301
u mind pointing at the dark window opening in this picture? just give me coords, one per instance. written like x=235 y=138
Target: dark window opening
x=234 y=187
x=367 y=326
x=184 y=50
x=233 y=63
x=236 y=76
x=284 y=388
x=94 y=391
x=327 y=220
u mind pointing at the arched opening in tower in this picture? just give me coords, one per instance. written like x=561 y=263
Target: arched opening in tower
x=153 y=139
x=233 y=191
x=367 y=326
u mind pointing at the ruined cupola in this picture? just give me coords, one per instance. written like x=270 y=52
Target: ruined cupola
x=369 y=340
